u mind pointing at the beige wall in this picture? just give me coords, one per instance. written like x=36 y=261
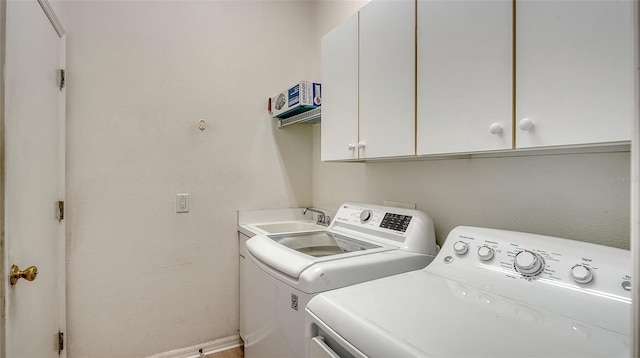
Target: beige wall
x=328 y=14
x=581 y=196
x=141 y=278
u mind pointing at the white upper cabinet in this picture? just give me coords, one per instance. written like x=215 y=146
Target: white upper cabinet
x=574 y=72
x=464 y=75
x=339 y=128
x=387 y=79
x=433 y=77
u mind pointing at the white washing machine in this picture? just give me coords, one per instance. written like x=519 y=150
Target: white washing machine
x=488 y=293
x=362 y=243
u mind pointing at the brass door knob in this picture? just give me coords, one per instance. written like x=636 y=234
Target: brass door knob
x=29 y=274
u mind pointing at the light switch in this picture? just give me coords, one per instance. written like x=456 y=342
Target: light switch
x=182 y=203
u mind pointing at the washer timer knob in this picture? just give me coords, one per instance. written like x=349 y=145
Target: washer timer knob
x=581 y=274
x=485 y=253
x=528 y=263
x=365 y=215
x=460 y=247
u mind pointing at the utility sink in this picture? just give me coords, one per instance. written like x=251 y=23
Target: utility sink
x=288 y=227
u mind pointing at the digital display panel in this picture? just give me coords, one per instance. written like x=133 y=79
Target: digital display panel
x=395 y=222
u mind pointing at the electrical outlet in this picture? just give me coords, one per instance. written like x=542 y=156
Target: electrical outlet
x=182 y=203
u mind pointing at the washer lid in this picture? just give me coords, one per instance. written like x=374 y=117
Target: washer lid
x=291 y=254
x=320 y=244
x=421 y=314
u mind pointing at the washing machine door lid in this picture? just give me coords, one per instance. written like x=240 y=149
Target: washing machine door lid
x=278 y=257
x=291 y=254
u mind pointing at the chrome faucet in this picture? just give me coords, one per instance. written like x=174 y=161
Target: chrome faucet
x=322 y=218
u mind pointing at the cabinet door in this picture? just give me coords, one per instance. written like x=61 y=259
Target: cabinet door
x=574 y=72
x=242 y=242
x=387 y=79
x=465 y=57
x=339 y=128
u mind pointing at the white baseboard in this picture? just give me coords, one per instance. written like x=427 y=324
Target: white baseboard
x=203 y=349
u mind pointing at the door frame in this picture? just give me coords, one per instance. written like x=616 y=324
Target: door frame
x=57 y=25
x=635 y=203
x=3 y=22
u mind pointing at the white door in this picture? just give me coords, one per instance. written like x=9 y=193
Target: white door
x=464 y=76
x=34 y=173
x=575 y=72
x=339 y=126
x=387 y=79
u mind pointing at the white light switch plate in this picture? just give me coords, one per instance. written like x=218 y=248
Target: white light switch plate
x=182 y=203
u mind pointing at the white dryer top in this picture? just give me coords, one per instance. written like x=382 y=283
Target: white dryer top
x=419 y=314
x=492 y=293
x=584 y=281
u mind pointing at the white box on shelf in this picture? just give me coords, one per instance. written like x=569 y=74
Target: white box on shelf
x=299 y=98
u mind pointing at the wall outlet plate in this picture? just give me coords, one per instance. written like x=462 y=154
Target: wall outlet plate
x=182 y=203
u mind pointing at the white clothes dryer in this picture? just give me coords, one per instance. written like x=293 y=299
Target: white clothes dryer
x=488 y=293
x=362 y=243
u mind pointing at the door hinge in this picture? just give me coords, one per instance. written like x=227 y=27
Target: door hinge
x=60 y=342
x=60 y=210
x=61 y=78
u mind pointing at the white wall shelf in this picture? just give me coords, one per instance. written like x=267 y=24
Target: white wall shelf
x=311 y=116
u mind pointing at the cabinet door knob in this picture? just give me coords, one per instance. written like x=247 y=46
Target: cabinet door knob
x=525 y=124
x=361 y=145
x=495 y=128
x=351 y=146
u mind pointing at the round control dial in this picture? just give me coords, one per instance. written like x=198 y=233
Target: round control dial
x=365 y=216
x=461 y=247
x=528 y=263
x=581 y=274
x=485 y=253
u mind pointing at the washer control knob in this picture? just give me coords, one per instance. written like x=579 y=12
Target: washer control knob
x=461 y=247
x=528 y=263
x=581 y=274
x=365 y=216
x=485 y=253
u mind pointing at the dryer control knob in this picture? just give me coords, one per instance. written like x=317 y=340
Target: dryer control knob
x=581 y=274
x=365 y=215
x=528 y=263
x=485 y=253
x=461 y=247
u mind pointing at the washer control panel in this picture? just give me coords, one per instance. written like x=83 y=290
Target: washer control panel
x=397 y=222
x=374 y=218
x=411 y=230
x=558 y=274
